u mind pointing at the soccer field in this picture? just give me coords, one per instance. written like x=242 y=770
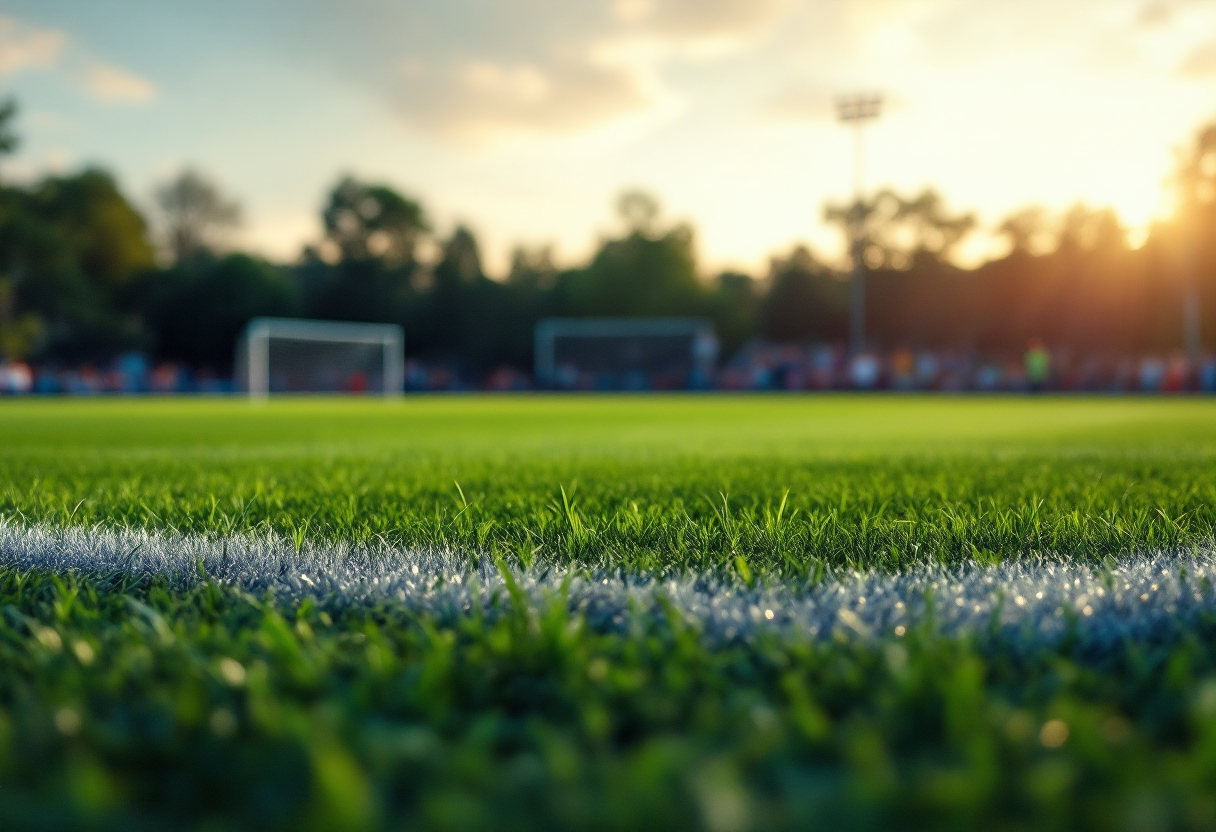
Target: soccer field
x=649 y=482
x=608 y=612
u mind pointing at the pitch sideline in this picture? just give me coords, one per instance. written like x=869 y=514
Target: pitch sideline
x=1031 y=603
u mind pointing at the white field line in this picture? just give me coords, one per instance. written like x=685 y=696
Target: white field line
x=1145 y=598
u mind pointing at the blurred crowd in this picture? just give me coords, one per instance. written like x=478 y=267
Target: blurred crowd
x=784 y=367
x=130 y=373
x=758 y=366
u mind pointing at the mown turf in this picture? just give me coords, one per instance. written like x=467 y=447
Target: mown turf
x=783 y=482
x=128 y=704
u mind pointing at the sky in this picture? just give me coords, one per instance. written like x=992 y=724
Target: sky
x=523 y=119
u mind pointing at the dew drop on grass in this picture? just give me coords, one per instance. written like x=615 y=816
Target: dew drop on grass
x=67 y=721
x=233 y=672
x=1054 y=733
x=222 y=723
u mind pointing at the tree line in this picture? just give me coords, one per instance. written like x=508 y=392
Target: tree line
x=82 y=277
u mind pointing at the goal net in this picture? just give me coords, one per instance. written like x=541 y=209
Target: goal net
x=625 y=353
x=285 y=355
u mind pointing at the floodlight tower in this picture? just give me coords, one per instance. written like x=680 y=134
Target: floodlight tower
x=857 y=111
x=1190 y=307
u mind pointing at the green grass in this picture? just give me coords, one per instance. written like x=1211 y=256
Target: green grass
x=130 y=705
x=648 y=482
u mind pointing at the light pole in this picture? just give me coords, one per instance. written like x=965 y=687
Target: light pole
x=858 y=110
x=1190 y=307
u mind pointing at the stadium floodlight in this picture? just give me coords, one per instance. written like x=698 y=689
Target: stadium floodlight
x=288 y=355
x=625 y=353
x=858 y=110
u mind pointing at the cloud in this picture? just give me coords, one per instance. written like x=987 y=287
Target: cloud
x=590 y=72
x=1200 y=63
x=112 y=84
x=482 y=98
x=801 y=103
x=695 y=20
x=485 y=69
x=26 y=47
x=482 y=70
x=830 y=46
x=1155 y=13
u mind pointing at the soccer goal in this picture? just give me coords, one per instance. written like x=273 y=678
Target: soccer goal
x=286 y=355
x=625 y=353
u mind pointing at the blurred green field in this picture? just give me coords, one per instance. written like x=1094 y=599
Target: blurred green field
x=649 y=482
x=127 y=703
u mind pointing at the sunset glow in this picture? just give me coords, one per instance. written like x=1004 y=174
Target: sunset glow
x=525 y=122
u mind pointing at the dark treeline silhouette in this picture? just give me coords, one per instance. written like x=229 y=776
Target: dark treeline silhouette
x=80 y=280
x=1079 y=286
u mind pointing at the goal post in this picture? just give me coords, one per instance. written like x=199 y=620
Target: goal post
x=292 y=355
x=625 y=353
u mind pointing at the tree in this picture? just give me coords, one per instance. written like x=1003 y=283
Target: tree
x=369 y=221
x=72 y=250
x=449 y=325
x=1088 y=229
x=195 y=212
x=108 y=236
x=935 y=232
x=645 y=272
x=532 y=269
x=373 y=230
x=1192 y=241
x=1194 y=182
x=198 y=311
x=804 y=303
x=734 y=303
x=897 y=231
x=9 y=140
x=639 y=210
x=1028 y=231
x=20 y=334
x=461 y=263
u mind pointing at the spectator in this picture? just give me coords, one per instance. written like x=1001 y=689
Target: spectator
x=1207 y=376
x=15 y=378
x=863 y=372
x=1152 y=375
x=903 y=367
x=1038 y=365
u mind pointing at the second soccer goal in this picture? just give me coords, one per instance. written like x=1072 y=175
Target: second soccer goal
x=625 y=353
x=288 y=355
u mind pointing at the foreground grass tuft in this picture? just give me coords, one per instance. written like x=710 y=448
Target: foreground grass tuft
x=151 y=709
